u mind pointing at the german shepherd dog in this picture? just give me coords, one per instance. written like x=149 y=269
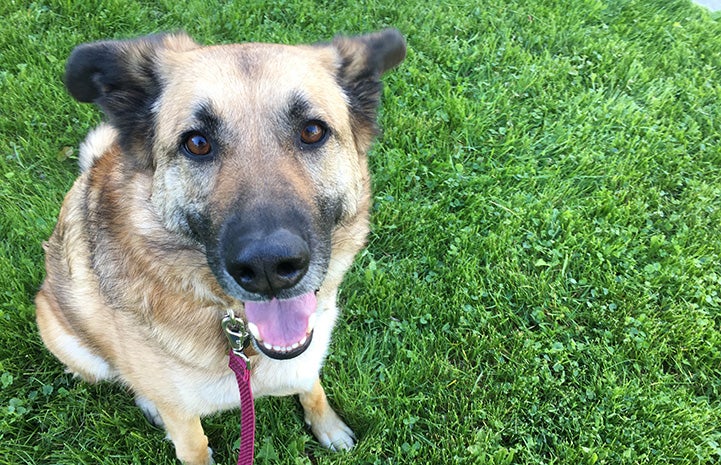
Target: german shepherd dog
x=226 y=177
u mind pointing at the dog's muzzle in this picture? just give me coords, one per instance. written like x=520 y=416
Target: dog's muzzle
x=268 y=260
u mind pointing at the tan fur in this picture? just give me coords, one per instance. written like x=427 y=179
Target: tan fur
x=129 y=293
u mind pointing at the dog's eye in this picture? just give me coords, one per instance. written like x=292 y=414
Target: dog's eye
x=313 y=133
x=197 y=145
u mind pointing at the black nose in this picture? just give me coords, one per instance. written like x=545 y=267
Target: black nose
x=266 y=265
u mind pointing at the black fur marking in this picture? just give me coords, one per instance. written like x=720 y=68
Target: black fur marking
x=386 y=49
x=363 y=90
x=199 y=228
x=208 y=119
x=298 y=109
x=121 y=78
x=364 y=59
x=331 y=212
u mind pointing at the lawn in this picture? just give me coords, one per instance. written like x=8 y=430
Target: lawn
x=543 y=280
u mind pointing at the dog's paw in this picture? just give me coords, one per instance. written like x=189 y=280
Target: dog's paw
x=150 y=411
x=332 y=432
x=210 y=460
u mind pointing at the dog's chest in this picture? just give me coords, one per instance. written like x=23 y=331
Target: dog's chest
x=209 y=394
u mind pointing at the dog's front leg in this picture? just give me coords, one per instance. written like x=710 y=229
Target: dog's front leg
x=186 y=432
x=326 y=425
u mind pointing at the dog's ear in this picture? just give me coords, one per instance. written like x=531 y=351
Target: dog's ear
x=122 y=78
x=363 y=59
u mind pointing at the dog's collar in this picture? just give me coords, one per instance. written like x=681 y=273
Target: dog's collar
x=239 y=362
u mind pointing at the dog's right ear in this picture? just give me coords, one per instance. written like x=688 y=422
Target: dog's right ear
x=122 y=78
x=105 y=69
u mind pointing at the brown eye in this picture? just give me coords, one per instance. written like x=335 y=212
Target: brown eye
x=197 y=144
x=313 y=132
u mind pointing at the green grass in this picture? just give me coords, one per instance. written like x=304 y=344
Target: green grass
x=543 y=280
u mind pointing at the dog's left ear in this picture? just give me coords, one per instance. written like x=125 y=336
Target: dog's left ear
x=363 y=60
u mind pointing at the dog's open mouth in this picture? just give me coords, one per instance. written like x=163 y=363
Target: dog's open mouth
x=282 y=329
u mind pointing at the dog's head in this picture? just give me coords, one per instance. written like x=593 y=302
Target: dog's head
x=257 y=153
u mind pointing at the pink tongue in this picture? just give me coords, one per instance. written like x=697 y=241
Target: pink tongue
x=282 y=322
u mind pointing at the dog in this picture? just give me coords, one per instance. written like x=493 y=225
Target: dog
x=225 y=177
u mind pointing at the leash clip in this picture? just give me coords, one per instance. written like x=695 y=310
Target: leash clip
x=238 y=336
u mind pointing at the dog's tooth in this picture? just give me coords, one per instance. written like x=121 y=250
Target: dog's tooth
x=253 y=329
x=295 y=346
x=267 y=346
x=302 y=341
x=278 y=349
x=311 y=322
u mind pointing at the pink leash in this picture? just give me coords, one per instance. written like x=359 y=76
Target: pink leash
x=240 y=364
x=247 y=412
